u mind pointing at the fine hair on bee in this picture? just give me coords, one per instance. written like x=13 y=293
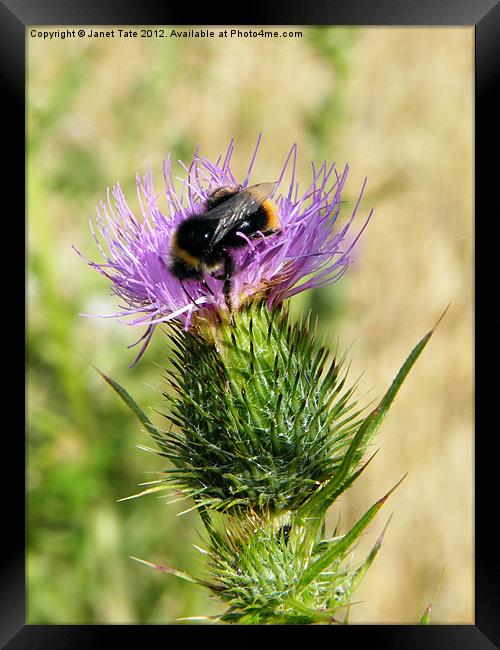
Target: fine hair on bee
x=202 y=243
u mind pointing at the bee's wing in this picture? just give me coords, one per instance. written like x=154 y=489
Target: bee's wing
x=232 y=212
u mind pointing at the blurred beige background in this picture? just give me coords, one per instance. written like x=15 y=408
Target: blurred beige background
x=396 y=104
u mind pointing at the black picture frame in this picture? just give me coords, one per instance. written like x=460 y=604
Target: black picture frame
x=484 y=16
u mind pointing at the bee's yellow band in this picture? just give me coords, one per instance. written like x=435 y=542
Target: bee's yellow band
x=188 y=259
x=273 y=223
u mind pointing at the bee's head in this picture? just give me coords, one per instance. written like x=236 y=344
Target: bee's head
x=221 y=194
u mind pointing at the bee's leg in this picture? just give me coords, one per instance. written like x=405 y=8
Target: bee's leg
x=228 y=271
x=204 y=283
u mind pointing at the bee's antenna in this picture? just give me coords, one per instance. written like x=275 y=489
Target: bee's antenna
x=226 y=289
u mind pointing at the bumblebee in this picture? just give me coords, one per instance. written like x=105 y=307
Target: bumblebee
x=202 y=242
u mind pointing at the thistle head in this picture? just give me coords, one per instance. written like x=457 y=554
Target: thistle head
x=307 y=250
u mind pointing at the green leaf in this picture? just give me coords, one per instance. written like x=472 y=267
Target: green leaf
x=361 y=571
x=426 y=616
x=338 y=548
x=324 y=497
x=179 y=574
x=134 y=407
x=151 y=490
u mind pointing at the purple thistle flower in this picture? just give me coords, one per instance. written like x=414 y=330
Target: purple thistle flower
x=306 y=252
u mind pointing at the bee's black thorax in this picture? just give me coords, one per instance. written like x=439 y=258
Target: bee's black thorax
x=199 y=244
x=192 y=241
x=254 y=223
x=193 y=235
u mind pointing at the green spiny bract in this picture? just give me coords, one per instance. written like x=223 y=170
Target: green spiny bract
x=273 y=569
x=263 y=420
